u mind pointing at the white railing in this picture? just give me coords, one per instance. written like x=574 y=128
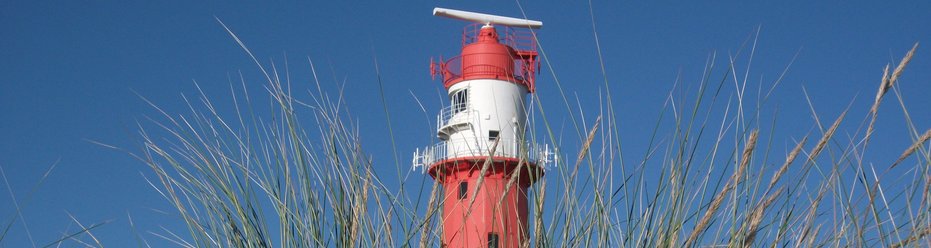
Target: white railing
x=541 y=155
x=461 y=112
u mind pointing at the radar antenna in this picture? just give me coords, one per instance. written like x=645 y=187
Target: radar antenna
x=487 y=19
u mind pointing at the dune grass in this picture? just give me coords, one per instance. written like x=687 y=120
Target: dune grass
x=299 y=177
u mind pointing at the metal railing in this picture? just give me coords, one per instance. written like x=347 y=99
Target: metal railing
x=455 y=112
x=452 y=69
x=523 y=71
x=541 y=155
x=519 y=39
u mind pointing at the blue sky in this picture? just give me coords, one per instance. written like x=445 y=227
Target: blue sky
x=73 y=72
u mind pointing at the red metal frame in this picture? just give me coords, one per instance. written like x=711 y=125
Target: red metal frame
x=496 y=207
x=521 y=50
x=527 y=177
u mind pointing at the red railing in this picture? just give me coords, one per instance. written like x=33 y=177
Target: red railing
x=518 y=39
x=523 y=71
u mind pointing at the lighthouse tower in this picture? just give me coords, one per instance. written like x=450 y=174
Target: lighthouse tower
x=483 y=161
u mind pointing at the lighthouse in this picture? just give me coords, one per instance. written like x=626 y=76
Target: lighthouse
x=484 y=161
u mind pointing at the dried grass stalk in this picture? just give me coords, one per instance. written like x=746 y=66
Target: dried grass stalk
x=481 y=179
x=884 y=86
x=789 y=159
x=908 y=152
x=826 y=137
x=757 y=217
x=912 y=238
x=719 y=198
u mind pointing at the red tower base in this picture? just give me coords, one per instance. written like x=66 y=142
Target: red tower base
x=498 y=216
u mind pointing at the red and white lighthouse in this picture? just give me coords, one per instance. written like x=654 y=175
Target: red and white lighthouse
x=483 y=161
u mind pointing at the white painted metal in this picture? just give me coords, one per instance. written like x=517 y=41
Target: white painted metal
x=493 y=105
x=487 y=19
x=541 y=155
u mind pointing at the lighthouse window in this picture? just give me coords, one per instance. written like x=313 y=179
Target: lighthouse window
x=492 y=135
x=463 y=190
x=460 y=100
x=492 y=240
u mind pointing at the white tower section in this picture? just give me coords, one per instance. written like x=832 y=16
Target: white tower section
x=481 y=111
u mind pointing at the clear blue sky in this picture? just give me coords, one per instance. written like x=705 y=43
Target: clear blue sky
x=68 y=73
